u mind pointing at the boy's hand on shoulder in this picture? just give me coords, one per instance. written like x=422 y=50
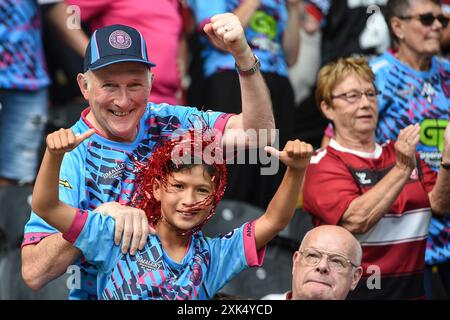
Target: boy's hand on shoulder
x=64 y=140
x=295 y=155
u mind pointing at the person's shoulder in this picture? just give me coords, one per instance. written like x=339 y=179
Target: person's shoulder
x=442 y=62
x=326 y=160
x=388 y=146
x=166 y=109
x=381 y=63
x=324 y=156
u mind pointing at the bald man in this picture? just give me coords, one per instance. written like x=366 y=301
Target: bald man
x=326 y=266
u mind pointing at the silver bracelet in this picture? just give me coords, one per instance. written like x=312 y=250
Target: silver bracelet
x=250 y=71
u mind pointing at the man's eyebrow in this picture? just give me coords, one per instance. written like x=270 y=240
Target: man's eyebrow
x=331 y=252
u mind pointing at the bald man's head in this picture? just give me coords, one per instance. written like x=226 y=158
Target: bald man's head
x=327 y=265
x=344 y=240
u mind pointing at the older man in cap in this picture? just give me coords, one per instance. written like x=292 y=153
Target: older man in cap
x=117 y=81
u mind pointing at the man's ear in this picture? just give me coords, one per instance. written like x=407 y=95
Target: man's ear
x=157 y=190
x=294 y=261
x=83 y=85
x=327 y=110
x=397 y=28
x=356 y=276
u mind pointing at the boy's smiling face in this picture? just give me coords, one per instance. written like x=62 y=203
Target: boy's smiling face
x=181 y=195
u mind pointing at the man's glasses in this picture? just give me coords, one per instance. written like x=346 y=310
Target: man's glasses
x=427 y=19
x=336 y=261
x=355 y=96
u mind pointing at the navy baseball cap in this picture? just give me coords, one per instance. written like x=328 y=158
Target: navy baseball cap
x=113 y=44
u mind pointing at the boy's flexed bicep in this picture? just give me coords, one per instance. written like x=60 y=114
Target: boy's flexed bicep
x=296 y=156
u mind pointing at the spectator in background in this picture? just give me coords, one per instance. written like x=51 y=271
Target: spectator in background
x=327 y=266
x=348 y=28
x=383 y=194
x=272 y=29
x=414 y=87
x=159 y=21
x=445 y=39
x=23 y=89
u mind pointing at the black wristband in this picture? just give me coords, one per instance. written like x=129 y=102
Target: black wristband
x=250 y=71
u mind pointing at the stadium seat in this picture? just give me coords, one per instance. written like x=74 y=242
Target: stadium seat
x=14 y=214
x=275 y=274
x=12 y=286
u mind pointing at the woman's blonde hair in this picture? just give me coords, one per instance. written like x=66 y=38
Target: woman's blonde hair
x=334 y=72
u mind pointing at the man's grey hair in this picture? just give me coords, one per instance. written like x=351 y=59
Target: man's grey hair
x=87 y=76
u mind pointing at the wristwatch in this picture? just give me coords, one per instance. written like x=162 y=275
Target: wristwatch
x=250 y=71
x=445 y=165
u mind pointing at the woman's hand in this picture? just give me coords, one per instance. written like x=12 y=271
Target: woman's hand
x=405 y=147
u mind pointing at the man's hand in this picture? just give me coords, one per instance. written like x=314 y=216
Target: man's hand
x=405 y=147
x=131 y=225
x=295 y=155
x=226 y=33
x=63 y=140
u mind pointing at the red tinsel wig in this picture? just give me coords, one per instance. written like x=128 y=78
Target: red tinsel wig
x=195 y=147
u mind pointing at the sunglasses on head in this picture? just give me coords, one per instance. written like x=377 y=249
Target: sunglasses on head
x=427 y=19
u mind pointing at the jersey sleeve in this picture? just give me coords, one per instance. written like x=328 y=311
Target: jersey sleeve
x=192 y=117
x=70 y=177
x=317 y=8
x=204 y=10
x=231 y=254
x=379 y=68
x=329 y=188
x=93 y=234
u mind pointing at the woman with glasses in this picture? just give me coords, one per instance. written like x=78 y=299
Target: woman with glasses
x=383 y=194
x=415 y=88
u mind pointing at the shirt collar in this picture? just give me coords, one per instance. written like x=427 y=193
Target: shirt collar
x=370 y=155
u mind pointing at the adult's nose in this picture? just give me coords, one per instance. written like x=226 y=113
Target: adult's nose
x=122 y=99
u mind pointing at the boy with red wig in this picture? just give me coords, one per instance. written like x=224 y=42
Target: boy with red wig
x=179 y=189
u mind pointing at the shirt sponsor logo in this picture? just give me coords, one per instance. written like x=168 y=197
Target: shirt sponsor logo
x=362 y=176
x=149 y=265
x=116 y=172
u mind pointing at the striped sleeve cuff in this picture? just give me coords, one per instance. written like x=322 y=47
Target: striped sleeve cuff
x=255 y=258
x=221 y=121
x=77 y=225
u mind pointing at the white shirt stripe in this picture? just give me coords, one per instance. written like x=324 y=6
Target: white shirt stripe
x=392 y=228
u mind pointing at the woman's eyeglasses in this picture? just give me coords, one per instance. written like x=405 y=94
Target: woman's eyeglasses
x=355 y=96
x=427 y=19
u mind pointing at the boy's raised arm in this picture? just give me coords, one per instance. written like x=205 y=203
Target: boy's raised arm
x=45 y=199
x=296 y=156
